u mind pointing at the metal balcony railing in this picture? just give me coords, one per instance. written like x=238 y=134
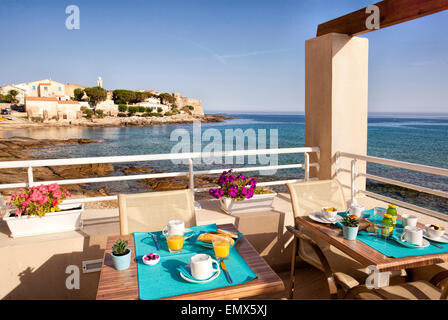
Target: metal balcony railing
x=397 y=164
x=30 y=164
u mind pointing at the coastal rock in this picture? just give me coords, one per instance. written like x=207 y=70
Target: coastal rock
x=133 y=169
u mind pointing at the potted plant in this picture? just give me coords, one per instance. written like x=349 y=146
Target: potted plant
x=121 y=255
x=39 y=210
x=350 y=225
x=238 y=193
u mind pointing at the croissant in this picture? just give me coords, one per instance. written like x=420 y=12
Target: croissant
x=209 y=236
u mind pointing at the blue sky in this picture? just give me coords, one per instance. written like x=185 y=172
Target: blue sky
x=235 y=55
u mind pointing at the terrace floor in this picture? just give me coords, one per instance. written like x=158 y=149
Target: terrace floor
x=35 y=268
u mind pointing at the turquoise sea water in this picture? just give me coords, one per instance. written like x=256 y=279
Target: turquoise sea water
x=417 y=138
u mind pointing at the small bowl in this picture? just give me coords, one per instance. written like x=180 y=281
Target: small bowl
x=151 y=262
x=329 y=214
x=432 y=233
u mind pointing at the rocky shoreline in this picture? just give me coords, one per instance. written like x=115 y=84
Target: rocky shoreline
x=19 y=122
x=20 y=148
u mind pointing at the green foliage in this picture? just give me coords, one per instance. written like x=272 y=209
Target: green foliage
x=88 y=113
x=189 y=107
x=155 y=114
x=166 y=98
x=6 y=98
x=148 y=109
x=95 y=94
x=99 y=113
x=78 y=94
x=261 y=190
x=13 y=93
x=122 y=108
x=120 y=247
x=350 y=221
x=132 y=109
x=122 y=96
x=159 y=109
x=169 y=114
x=141 y=109
x=146 y=114
x=83 y=108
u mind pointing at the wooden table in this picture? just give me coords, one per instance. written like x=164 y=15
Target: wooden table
x=363 y=253
x=123 y=285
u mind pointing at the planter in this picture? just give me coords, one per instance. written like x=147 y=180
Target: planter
x=349 y=233
x=64 y=220
x=122 y=262
x=258 y=202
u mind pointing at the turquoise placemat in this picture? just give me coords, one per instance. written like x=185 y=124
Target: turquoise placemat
x=390 y=247
x=163 y=280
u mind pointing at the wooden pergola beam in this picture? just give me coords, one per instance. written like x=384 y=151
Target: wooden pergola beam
x=391 y=12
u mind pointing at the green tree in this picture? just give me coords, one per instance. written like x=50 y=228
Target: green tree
x=95 y=94
x=13 y=93
x=78 y=94
x=99 y=113
x=166 y=98
x=122 y=108
x=141 y=109
x=159 y=109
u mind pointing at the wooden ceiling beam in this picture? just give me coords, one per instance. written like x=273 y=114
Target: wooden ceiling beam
x=391 y=12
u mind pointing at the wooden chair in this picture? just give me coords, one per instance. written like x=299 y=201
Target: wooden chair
x=147 y=212
x=416 y=290
x=308 y=197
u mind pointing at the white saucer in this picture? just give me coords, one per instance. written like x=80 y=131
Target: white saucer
x=216 y=275
x=317 y=216
x=425 y=243
x=442 y=239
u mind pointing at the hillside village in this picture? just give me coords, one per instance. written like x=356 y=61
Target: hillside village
x=48 y=100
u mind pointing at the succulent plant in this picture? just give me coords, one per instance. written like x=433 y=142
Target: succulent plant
x=120 y=247
x=350 y=221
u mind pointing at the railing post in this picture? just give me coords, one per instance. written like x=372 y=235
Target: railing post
x=191 y=175
x=353 y=180
x=307 y=166
x=30 y=177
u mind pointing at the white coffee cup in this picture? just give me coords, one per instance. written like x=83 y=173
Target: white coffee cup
x=356 y=209
x=409 y=220
x=413 y=235
x=201 y=266
x=432 y=233
x=176 y=227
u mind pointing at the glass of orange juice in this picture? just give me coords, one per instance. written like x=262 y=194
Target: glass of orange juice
x=175 y=241
x=221 y=246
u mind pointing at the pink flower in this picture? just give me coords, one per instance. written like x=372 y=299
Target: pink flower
x=67 y=193
x=36 y=196
x=43 y=200
x=43 y=189
x=54 y=203
x=53 y=187
x=18 y=212
x=57 y=194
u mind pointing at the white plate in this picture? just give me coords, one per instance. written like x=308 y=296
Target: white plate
x=425 y=244
x=201 y=281
x=317 y=216
x=442 y=239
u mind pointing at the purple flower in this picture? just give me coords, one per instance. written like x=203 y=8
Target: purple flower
x=233 y=191
x=253 y=182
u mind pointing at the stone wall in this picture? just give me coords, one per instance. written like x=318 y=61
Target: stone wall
x=183 y=101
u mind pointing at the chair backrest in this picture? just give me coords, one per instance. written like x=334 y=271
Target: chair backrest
x=148 y=212
x=311 y=196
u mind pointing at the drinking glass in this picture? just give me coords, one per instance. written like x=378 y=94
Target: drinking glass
x=221 y=246
x=378 y=214
x=175 y=241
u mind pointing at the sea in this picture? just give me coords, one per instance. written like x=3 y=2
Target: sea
x=417 y=138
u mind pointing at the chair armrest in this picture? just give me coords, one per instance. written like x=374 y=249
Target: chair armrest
x=317 y=250
x=439 y=277
x=345 y=281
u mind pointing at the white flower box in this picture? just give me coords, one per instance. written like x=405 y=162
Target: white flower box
x=259 y=202
x=64 y=220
